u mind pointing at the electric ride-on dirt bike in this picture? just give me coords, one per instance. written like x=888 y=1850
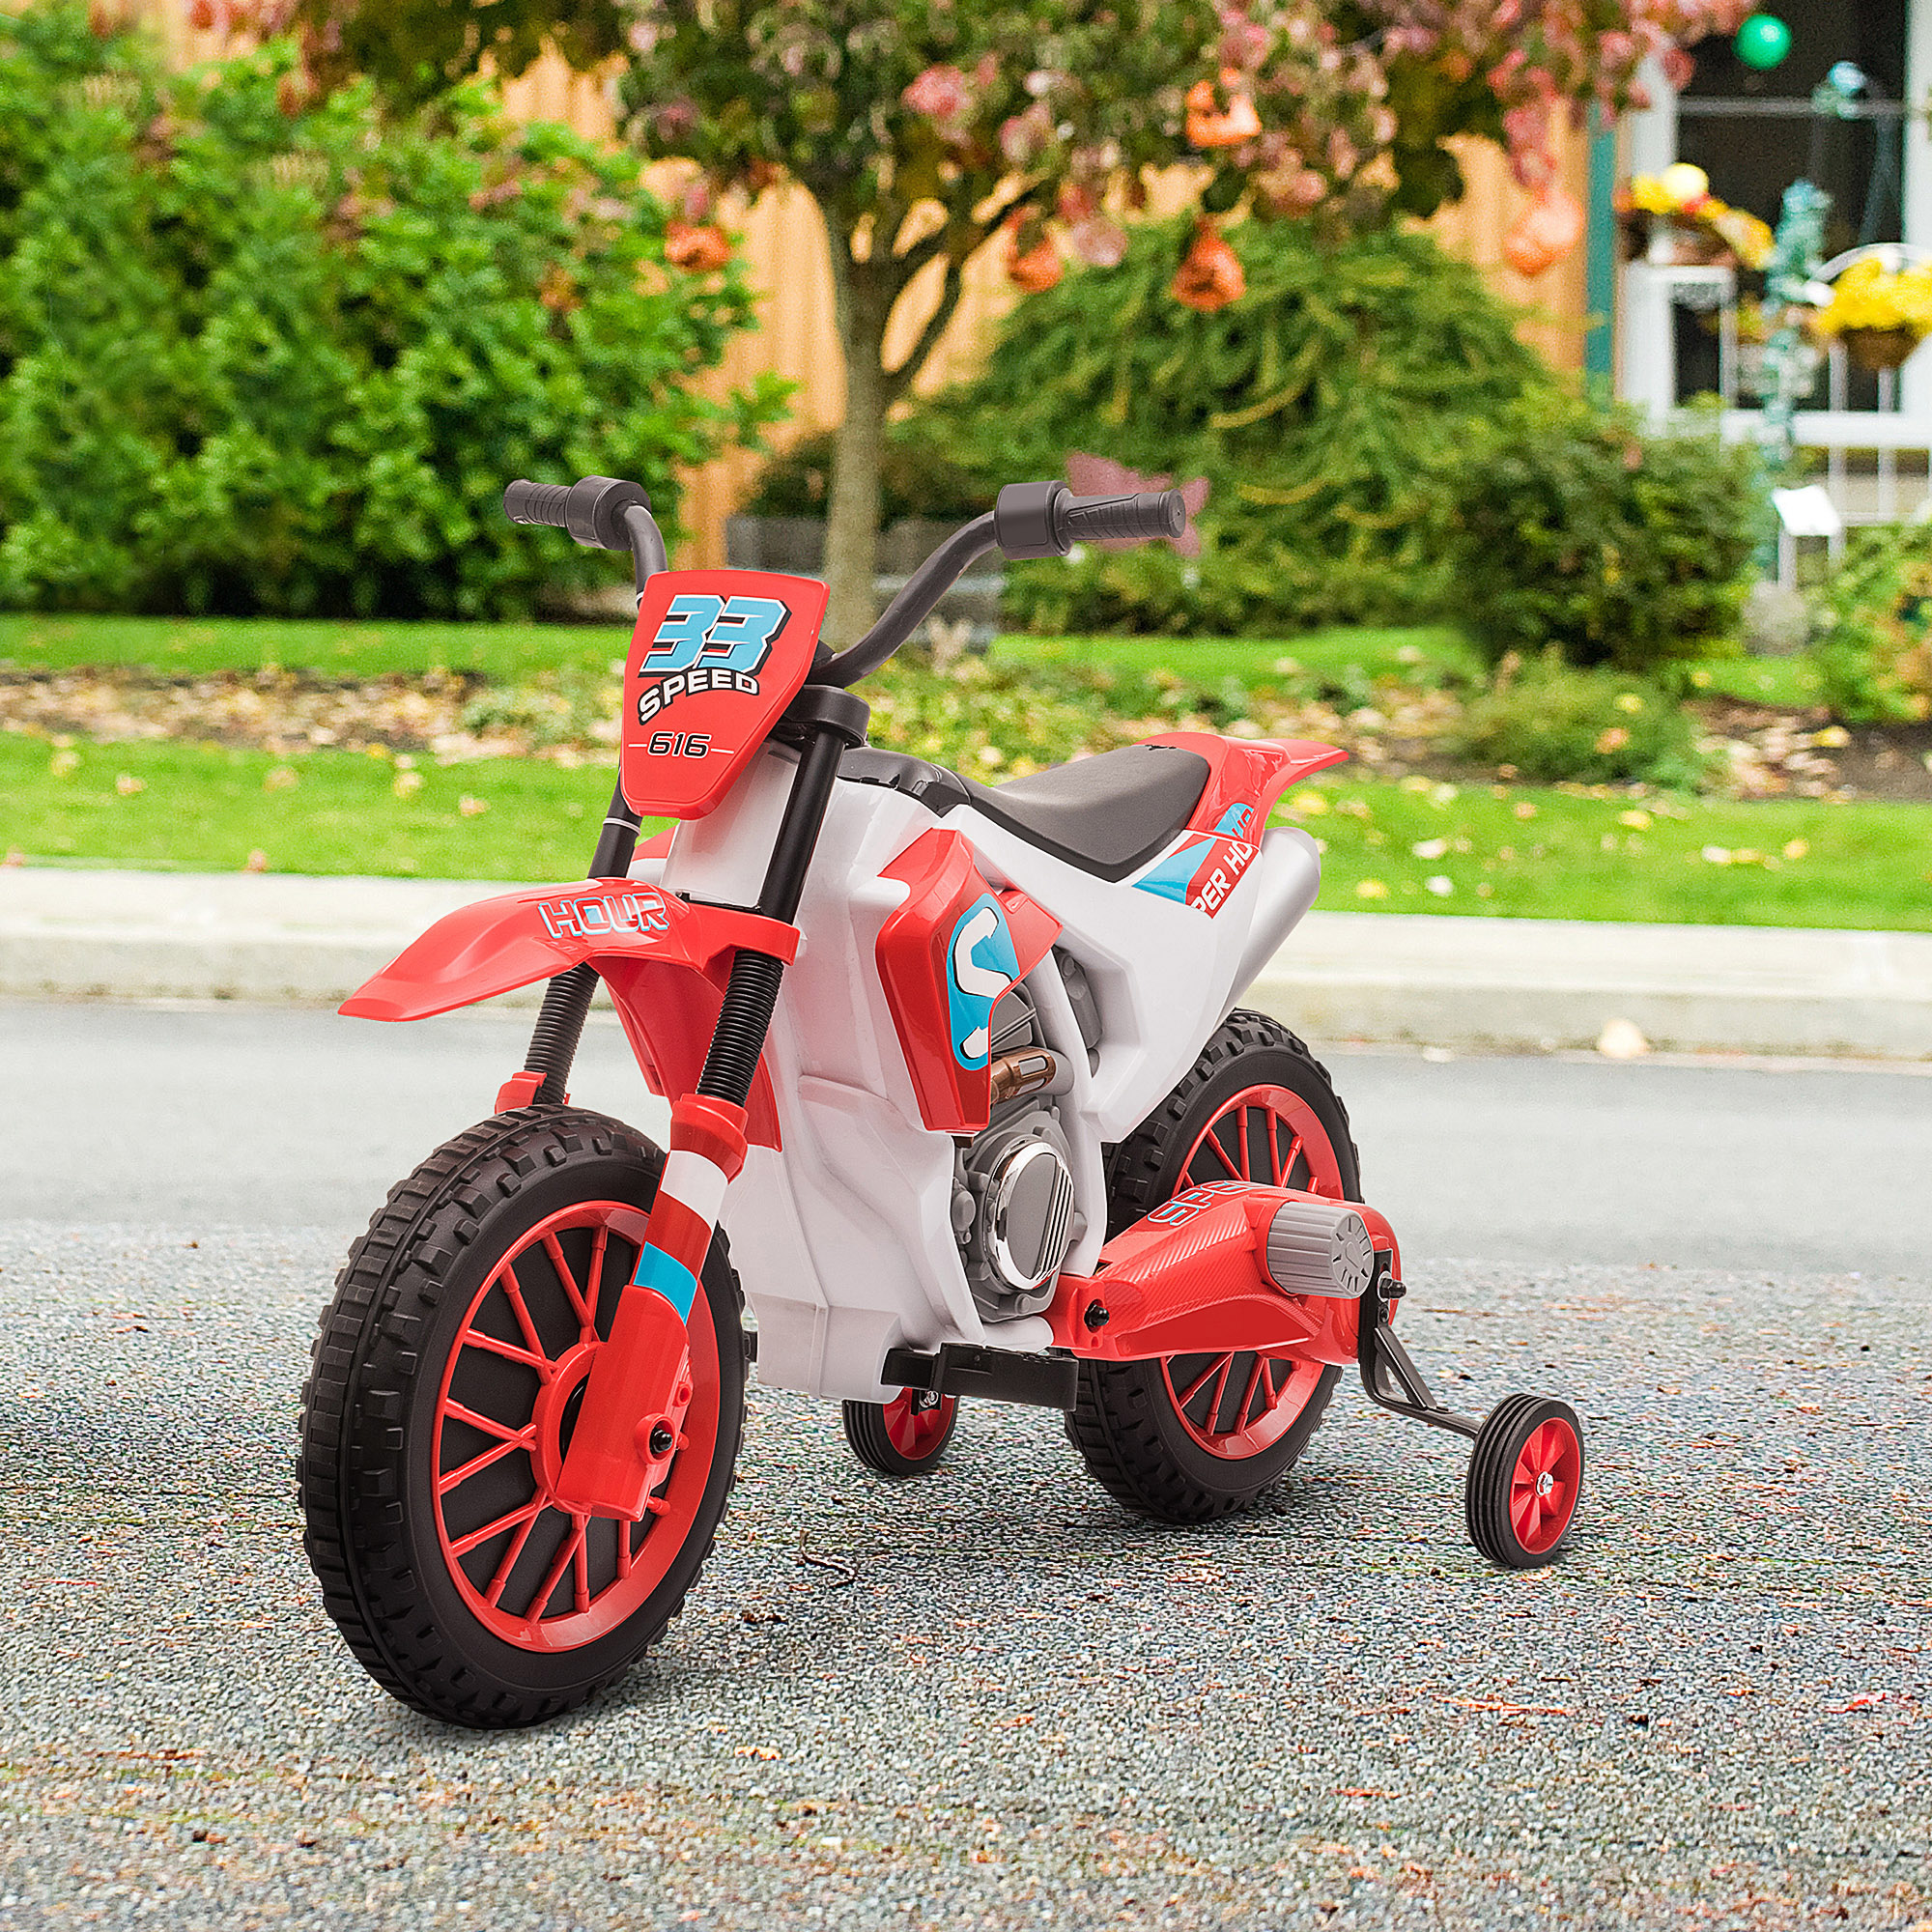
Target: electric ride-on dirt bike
x=958 y=1088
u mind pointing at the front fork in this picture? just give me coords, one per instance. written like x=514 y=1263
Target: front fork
x=640 y=1385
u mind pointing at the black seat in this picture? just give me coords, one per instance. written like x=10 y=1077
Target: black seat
x=1108 y=815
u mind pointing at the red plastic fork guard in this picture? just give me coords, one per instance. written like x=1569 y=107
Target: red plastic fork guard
x=1191 y=1278
x=667 y=963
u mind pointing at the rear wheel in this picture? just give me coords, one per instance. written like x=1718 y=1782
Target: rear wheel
x=905 y=1437
x=444 y=1387
x=1192 y=1437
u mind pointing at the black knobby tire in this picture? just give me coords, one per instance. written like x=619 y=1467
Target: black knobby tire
x=384 y=1439
x=1141 y=1440
x=1526 y=1441
x=906 y=1436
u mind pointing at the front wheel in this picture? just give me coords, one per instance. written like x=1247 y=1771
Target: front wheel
x=443 y=1389
x=1193 y=1438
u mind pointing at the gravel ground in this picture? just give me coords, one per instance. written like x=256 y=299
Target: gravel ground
x=1023 y=1708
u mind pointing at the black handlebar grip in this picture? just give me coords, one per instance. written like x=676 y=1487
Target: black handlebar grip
x=1046 y=520
x=537 y=503
x=1136 y=519
x=592 y=509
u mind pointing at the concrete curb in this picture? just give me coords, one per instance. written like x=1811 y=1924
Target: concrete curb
x=1527 y=984
x=1550 y=984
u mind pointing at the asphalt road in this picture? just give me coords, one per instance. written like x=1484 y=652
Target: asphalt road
x=271 y=1117
x=1023 y=1708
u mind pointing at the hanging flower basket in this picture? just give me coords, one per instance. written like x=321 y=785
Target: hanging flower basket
x=1877 y=350
x=1880 y=314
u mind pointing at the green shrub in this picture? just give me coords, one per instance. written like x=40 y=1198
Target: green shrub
x=257 y=355
x=1550 y=722
x=1874 y=623
x=1331 y=409
x=1578 y=530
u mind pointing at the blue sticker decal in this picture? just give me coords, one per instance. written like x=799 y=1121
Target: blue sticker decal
x=668 y=1277
x=1235 y=822
x=1171 y=878
x=980 y=964
x=723 y=633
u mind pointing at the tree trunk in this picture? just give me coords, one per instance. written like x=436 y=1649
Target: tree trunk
x=863 y=294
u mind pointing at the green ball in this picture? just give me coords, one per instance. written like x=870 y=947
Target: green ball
x=1762 y=42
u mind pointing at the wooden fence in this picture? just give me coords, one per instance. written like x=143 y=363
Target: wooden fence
x=786 y=244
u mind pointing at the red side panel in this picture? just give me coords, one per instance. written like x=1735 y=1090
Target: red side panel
x=716 y=656
x=1190 y=1278
x=944 y=956
x=1247 y=771
x=666 y=962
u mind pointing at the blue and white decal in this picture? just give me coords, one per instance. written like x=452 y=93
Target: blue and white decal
x=980 y=964
x=1190 y=874
x=733 y=634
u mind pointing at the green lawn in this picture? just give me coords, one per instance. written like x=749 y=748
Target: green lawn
x=508 y=653
x=1402 y=651
x=201 y=808
x=1785 y=681
x=1549 y=854
x=513 y=653
x=206 y=809
x=504 y=653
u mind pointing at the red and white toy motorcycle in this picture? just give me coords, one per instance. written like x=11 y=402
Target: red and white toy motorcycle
x=959 y=1091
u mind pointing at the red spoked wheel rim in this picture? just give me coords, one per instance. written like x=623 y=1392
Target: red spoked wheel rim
x=1237 y=1405
x=915 y=1425
x=1267 y=1134
x=534 y=1575
x=1544 y=1486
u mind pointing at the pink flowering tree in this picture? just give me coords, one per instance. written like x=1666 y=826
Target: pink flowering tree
x=925 y=128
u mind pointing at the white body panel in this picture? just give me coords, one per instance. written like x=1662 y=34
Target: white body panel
x=843 y=1238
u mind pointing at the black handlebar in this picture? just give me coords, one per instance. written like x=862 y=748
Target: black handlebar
x=592 y=509
x=601 y=512
x=1027 y=520
x=1047 y=520
x=538 y=503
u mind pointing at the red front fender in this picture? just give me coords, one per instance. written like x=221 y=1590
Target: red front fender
x=666 y=962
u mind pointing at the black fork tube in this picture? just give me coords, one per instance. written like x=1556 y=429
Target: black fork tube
x=566 y=1001
x=753 y=994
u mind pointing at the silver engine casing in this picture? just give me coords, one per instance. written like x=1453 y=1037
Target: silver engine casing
x=1013 y=1201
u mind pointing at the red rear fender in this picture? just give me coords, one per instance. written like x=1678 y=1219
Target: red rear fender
x=1246 y=776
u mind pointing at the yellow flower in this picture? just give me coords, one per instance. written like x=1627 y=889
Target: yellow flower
x=1648 y=193
x=1869 y=296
